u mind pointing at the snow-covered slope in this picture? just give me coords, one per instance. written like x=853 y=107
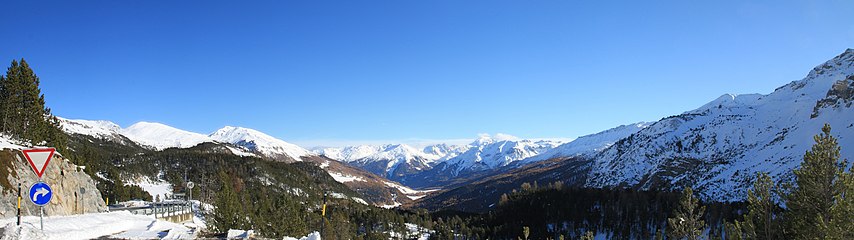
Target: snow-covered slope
x=98 y=129
x=590 y=144
x=445 y=150
x=257 y=141
x=160 y=136
x=490 y=152
x=719 y=147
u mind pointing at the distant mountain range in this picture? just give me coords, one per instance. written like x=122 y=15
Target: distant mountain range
x=717 y=148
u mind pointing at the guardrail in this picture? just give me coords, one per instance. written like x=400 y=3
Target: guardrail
x=177 y=211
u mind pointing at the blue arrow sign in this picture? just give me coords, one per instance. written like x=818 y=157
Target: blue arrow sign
x=40 y=193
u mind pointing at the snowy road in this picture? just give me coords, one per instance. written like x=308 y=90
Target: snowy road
x=113 y=224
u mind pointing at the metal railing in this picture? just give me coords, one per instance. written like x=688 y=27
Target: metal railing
x=160 y=210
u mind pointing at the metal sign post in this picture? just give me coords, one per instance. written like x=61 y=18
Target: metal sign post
x=82 y=201
x=40 y=195
x=190 y=186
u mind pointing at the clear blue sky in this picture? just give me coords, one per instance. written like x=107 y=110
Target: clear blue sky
x=315 y=71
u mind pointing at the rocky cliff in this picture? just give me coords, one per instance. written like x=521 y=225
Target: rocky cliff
x=65 y=178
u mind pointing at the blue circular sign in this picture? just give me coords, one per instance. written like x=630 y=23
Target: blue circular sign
x=40 y=193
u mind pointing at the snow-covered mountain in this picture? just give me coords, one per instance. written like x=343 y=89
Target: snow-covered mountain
x=257 y=141
x=400 y=161
x=391 y=160
x=589 y=144
x=161 y=136
x=490 y=152
x=99 y=129
x=718 y=148
x=445 y=150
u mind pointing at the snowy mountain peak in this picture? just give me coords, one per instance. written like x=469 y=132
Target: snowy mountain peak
x=258 y=141
x=490 y=152
x=445 y=151
x=98 y=129
x=485 y=138
x=161 y=136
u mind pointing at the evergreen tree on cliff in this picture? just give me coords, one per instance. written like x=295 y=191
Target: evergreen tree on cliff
x=22 y=108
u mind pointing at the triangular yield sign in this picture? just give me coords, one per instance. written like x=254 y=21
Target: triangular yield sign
x=38 y=158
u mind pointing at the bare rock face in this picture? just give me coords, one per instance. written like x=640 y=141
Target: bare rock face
x=65 y=179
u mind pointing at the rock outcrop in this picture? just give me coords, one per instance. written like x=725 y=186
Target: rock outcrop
x=65 y=179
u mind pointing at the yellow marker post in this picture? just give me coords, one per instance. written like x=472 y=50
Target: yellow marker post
x=323 y=213
x=19 y=204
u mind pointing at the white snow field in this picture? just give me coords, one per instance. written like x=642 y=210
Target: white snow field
x=121 y=224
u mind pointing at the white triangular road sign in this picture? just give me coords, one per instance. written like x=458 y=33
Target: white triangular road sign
x=39 y=158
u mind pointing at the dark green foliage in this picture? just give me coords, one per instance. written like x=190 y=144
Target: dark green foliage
x=687 y=222
x=764 y=217
x=819 y=206
x=23 y=113
x=809 y=204
x=841 y=224
x=552 y=211
x=229 y=212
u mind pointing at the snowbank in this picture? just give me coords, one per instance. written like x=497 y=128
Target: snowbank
x=311 y=236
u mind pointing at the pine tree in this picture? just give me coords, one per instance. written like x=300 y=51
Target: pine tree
x=841 y=224
x=227 y=214
x=763 y=218
x=818 y=187
x=734 y=230
x=687 y=222
x=588 y=236
x=22 y=108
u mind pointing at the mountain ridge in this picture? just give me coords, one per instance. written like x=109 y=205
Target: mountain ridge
x=717 y=148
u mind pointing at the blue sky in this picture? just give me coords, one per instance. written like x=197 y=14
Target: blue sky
x=332 y=72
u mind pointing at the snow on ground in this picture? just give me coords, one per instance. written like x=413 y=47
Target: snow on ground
x=409 y=192
x=311 y=236
x=98 y=129
x=237 y=233
x=390 y=206
x=161 y=136
x=6 y=142
x=412 y=231
x=342 y=196
x=155 y=188
x=259 y=141
x=247 y=234
x=345 y=178
x=121 y=224
x=240 y=152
